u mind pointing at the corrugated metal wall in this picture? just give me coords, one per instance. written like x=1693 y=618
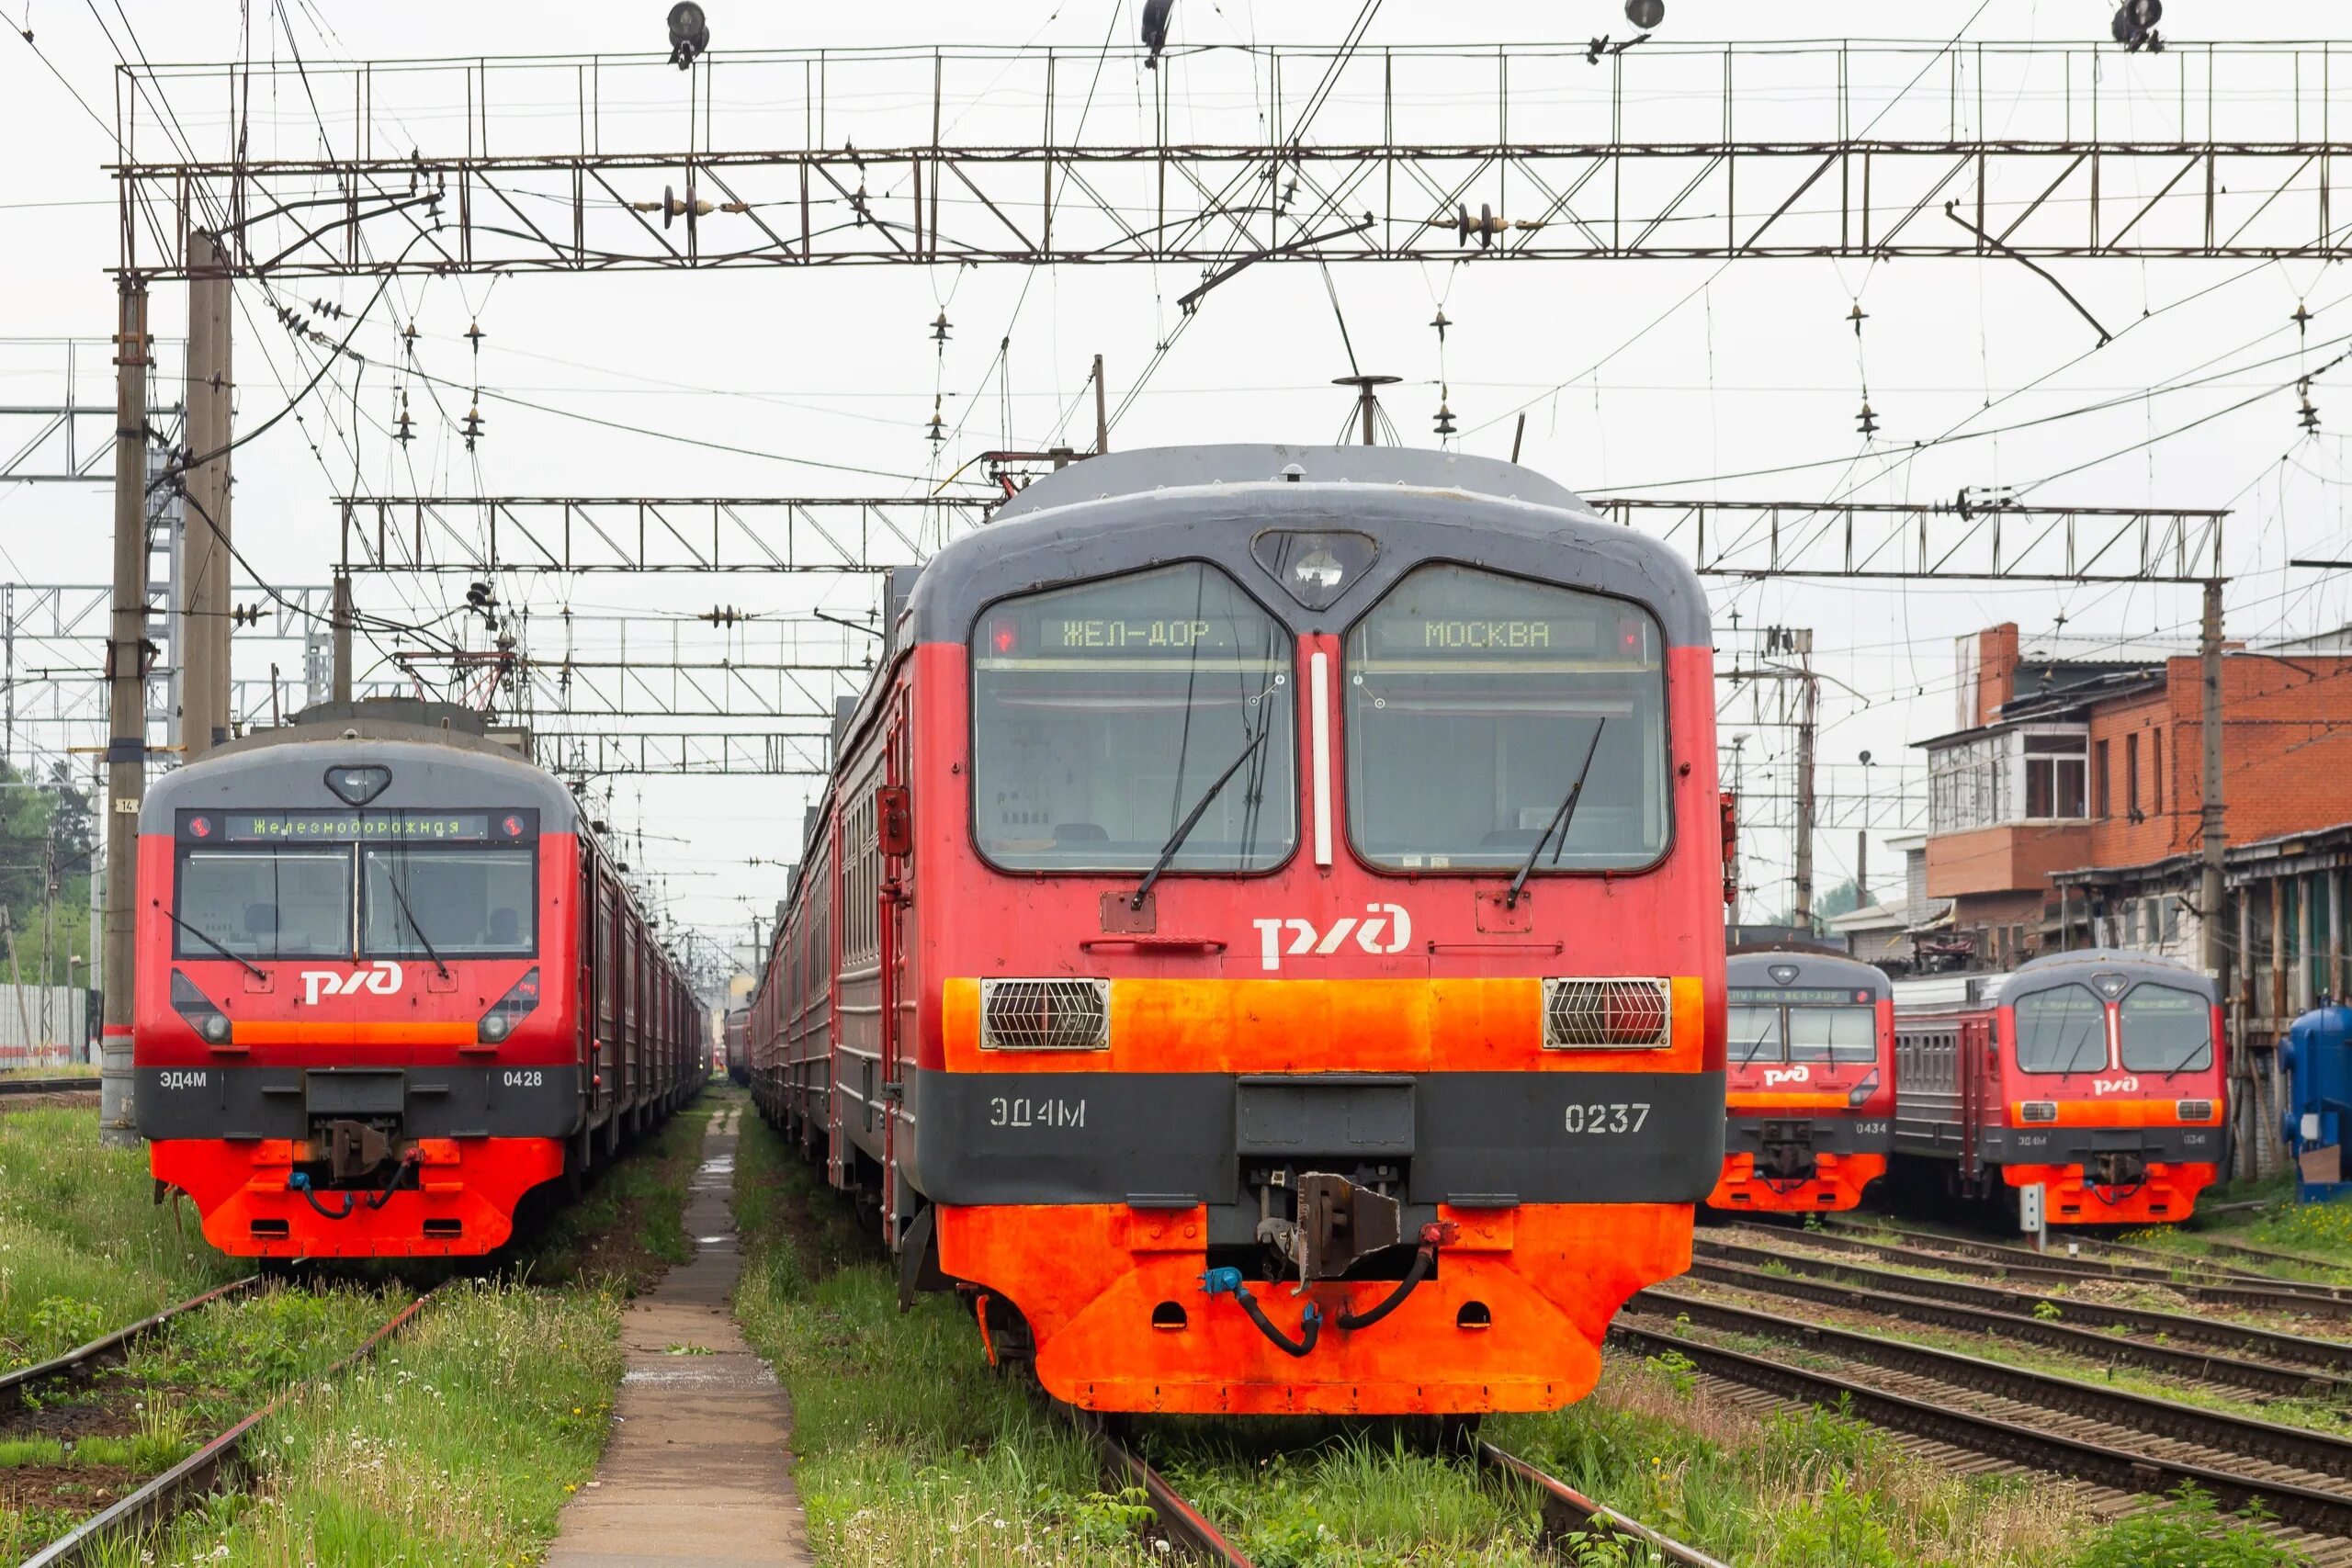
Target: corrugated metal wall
x=42 y=1024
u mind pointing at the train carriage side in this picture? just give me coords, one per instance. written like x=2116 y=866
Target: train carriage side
x=1236 y=881
x=2096 y=1077
x=1810 y=1091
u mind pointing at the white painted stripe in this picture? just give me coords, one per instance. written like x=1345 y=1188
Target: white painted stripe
x=1318 y=694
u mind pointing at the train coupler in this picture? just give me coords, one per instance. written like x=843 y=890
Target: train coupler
x=1227 y=1281
x=1337 y=1222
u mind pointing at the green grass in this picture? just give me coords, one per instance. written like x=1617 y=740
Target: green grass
x=906 y=1447
x=455 y=1444
x=83 y=1247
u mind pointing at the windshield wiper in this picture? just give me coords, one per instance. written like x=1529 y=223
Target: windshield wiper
x=209 y=940
x=1184 y=828
x=401 y=900
x=1560 y=820
x=1753 y=1046
x=2182 y=1066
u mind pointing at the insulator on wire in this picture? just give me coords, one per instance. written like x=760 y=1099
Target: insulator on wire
x=2302 y=320
x=1858 y=316
x=2308 y=417
x=1866 y=421
x=1445 y=414
x=1441 y=323
x=940 y=328
x=475 y=334
x=938 y=431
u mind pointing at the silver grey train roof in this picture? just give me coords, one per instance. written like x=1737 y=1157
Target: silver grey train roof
x=439 y=755
x=2079 y=967
x=1128 y=511
x=1810 y=966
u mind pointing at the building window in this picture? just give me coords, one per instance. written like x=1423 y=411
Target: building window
x=2171 y=919
x=2156 y=765
x=2131 y=775
x=2099 y=785
x=2053 y=775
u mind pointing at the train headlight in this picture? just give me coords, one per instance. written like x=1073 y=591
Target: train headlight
x=2037 y=1110
x=1864 y=1089
x=1608 y=1015
x=1044 y=1015
x=2194 y=1110
x=211 y=1025
x=513 y=1008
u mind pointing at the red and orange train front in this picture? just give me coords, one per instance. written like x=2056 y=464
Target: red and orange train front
x=360 y=992
x=1299 y=911
x=1810 y=1095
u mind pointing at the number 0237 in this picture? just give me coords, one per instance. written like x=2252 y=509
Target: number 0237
x=1618 y=1117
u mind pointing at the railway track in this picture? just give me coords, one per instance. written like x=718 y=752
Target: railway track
x=2125 y=1441
x=2121 y=1260
x=164 y=1494
x=75 y=1084
x=83 y=1361
x=2241 y=1341
x=1568 y=1518
x=1990 y=1261
x=2201 y=1365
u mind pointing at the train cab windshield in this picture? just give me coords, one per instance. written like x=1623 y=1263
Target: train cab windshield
x=2062 y=1030
x=293 y=883
x=2166 y=1030
x=1105 y=716
x=1815 y=1025
x=1477 y=705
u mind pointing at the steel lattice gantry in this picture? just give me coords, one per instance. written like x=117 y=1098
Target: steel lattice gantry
x=586 y=163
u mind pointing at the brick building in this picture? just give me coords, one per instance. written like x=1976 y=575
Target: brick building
x=2065 y=809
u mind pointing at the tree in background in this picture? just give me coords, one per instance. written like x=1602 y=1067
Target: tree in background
x=46 y=838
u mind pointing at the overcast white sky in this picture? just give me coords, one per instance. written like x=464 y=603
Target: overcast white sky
x=1743 y=367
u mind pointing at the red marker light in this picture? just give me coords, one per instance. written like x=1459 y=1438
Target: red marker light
x=1001 y=636
x=514 y=826
x=199 y=827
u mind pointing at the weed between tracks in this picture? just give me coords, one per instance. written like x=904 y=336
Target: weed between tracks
x=83 y=1247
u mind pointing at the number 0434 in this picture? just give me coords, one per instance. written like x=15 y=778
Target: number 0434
x=1618 y=1117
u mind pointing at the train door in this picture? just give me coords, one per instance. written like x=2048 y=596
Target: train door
x=838 y=1161
x=1979 y=1084
x=894 y=845
x=606 y=1078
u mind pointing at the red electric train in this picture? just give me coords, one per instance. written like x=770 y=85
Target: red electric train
x=2095 y=1079
x=1261 y=940
x=388 y=984
x=1810 y=1096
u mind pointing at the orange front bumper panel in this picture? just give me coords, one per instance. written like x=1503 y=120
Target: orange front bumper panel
x=2167 y=1196
x=459 y=1203
x=1513 y=1320
x=1836 y=1183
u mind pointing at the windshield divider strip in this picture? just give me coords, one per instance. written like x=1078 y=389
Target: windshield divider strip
x=1318 y=719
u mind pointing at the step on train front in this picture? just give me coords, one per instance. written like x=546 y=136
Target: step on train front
x=387 y=985
x=1261 y=942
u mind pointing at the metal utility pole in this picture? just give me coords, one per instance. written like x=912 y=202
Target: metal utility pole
x=1101 y=412
x=2243 y=1119
x=1862 y=868
x=1809 y=690
x=342 y=660
x=202 y=614
x=127 y=718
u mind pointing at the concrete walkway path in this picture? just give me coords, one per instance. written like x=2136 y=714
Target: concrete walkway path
x=700 y=1471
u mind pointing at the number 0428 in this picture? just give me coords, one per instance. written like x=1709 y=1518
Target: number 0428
x=1621 y=1116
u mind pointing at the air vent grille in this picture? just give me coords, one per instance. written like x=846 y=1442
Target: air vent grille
x=1044 y=1015
x=1607 y=1015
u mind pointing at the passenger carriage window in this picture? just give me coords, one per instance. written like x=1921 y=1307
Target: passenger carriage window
x=1104 y=715
x=2166 y=1030
x=478 y=903
x=264 y=903
x=1474 y=703
x=1755 y=1035
x=1833 y=1034
x=2062 y=1030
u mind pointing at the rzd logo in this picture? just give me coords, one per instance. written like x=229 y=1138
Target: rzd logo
x=2115 y=1085
x=1382 y=921
x=1798 y=1073
x=382 y=977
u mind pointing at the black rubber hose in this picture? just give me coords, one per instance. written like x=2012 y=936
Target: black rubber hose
x=1307 y=1329
x=350 y=1199
x=1423 y=1261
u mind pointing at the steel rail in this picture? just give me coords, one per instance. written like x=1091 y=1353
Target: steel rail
x=2262 y=1298
x=83 y=1359
x=49 y=1086
x=2221 y=1249
x=1566 y=1512
x=1187 y=1529
x=163 y=1495
x=2305 y=1507
x=2292 y=1350
x=2205 y=1365
x=2271 y=1442
x=2160 y=1268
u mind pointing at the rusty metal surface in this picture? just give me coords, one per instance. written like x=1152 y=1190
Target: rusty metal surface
x=1566 y=1512
x=107 y=1348
x=162 y=1498
x=1186 y=1528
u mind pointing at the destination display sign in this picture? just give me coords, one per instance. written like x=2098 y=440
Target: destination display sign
x=1132 y=634
x=1799 y=996
x=1532 y=636
x=333 y=827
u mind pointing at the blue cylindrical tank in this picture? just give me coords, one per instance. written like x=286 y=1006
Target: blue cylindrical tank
x=2317 y=1059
